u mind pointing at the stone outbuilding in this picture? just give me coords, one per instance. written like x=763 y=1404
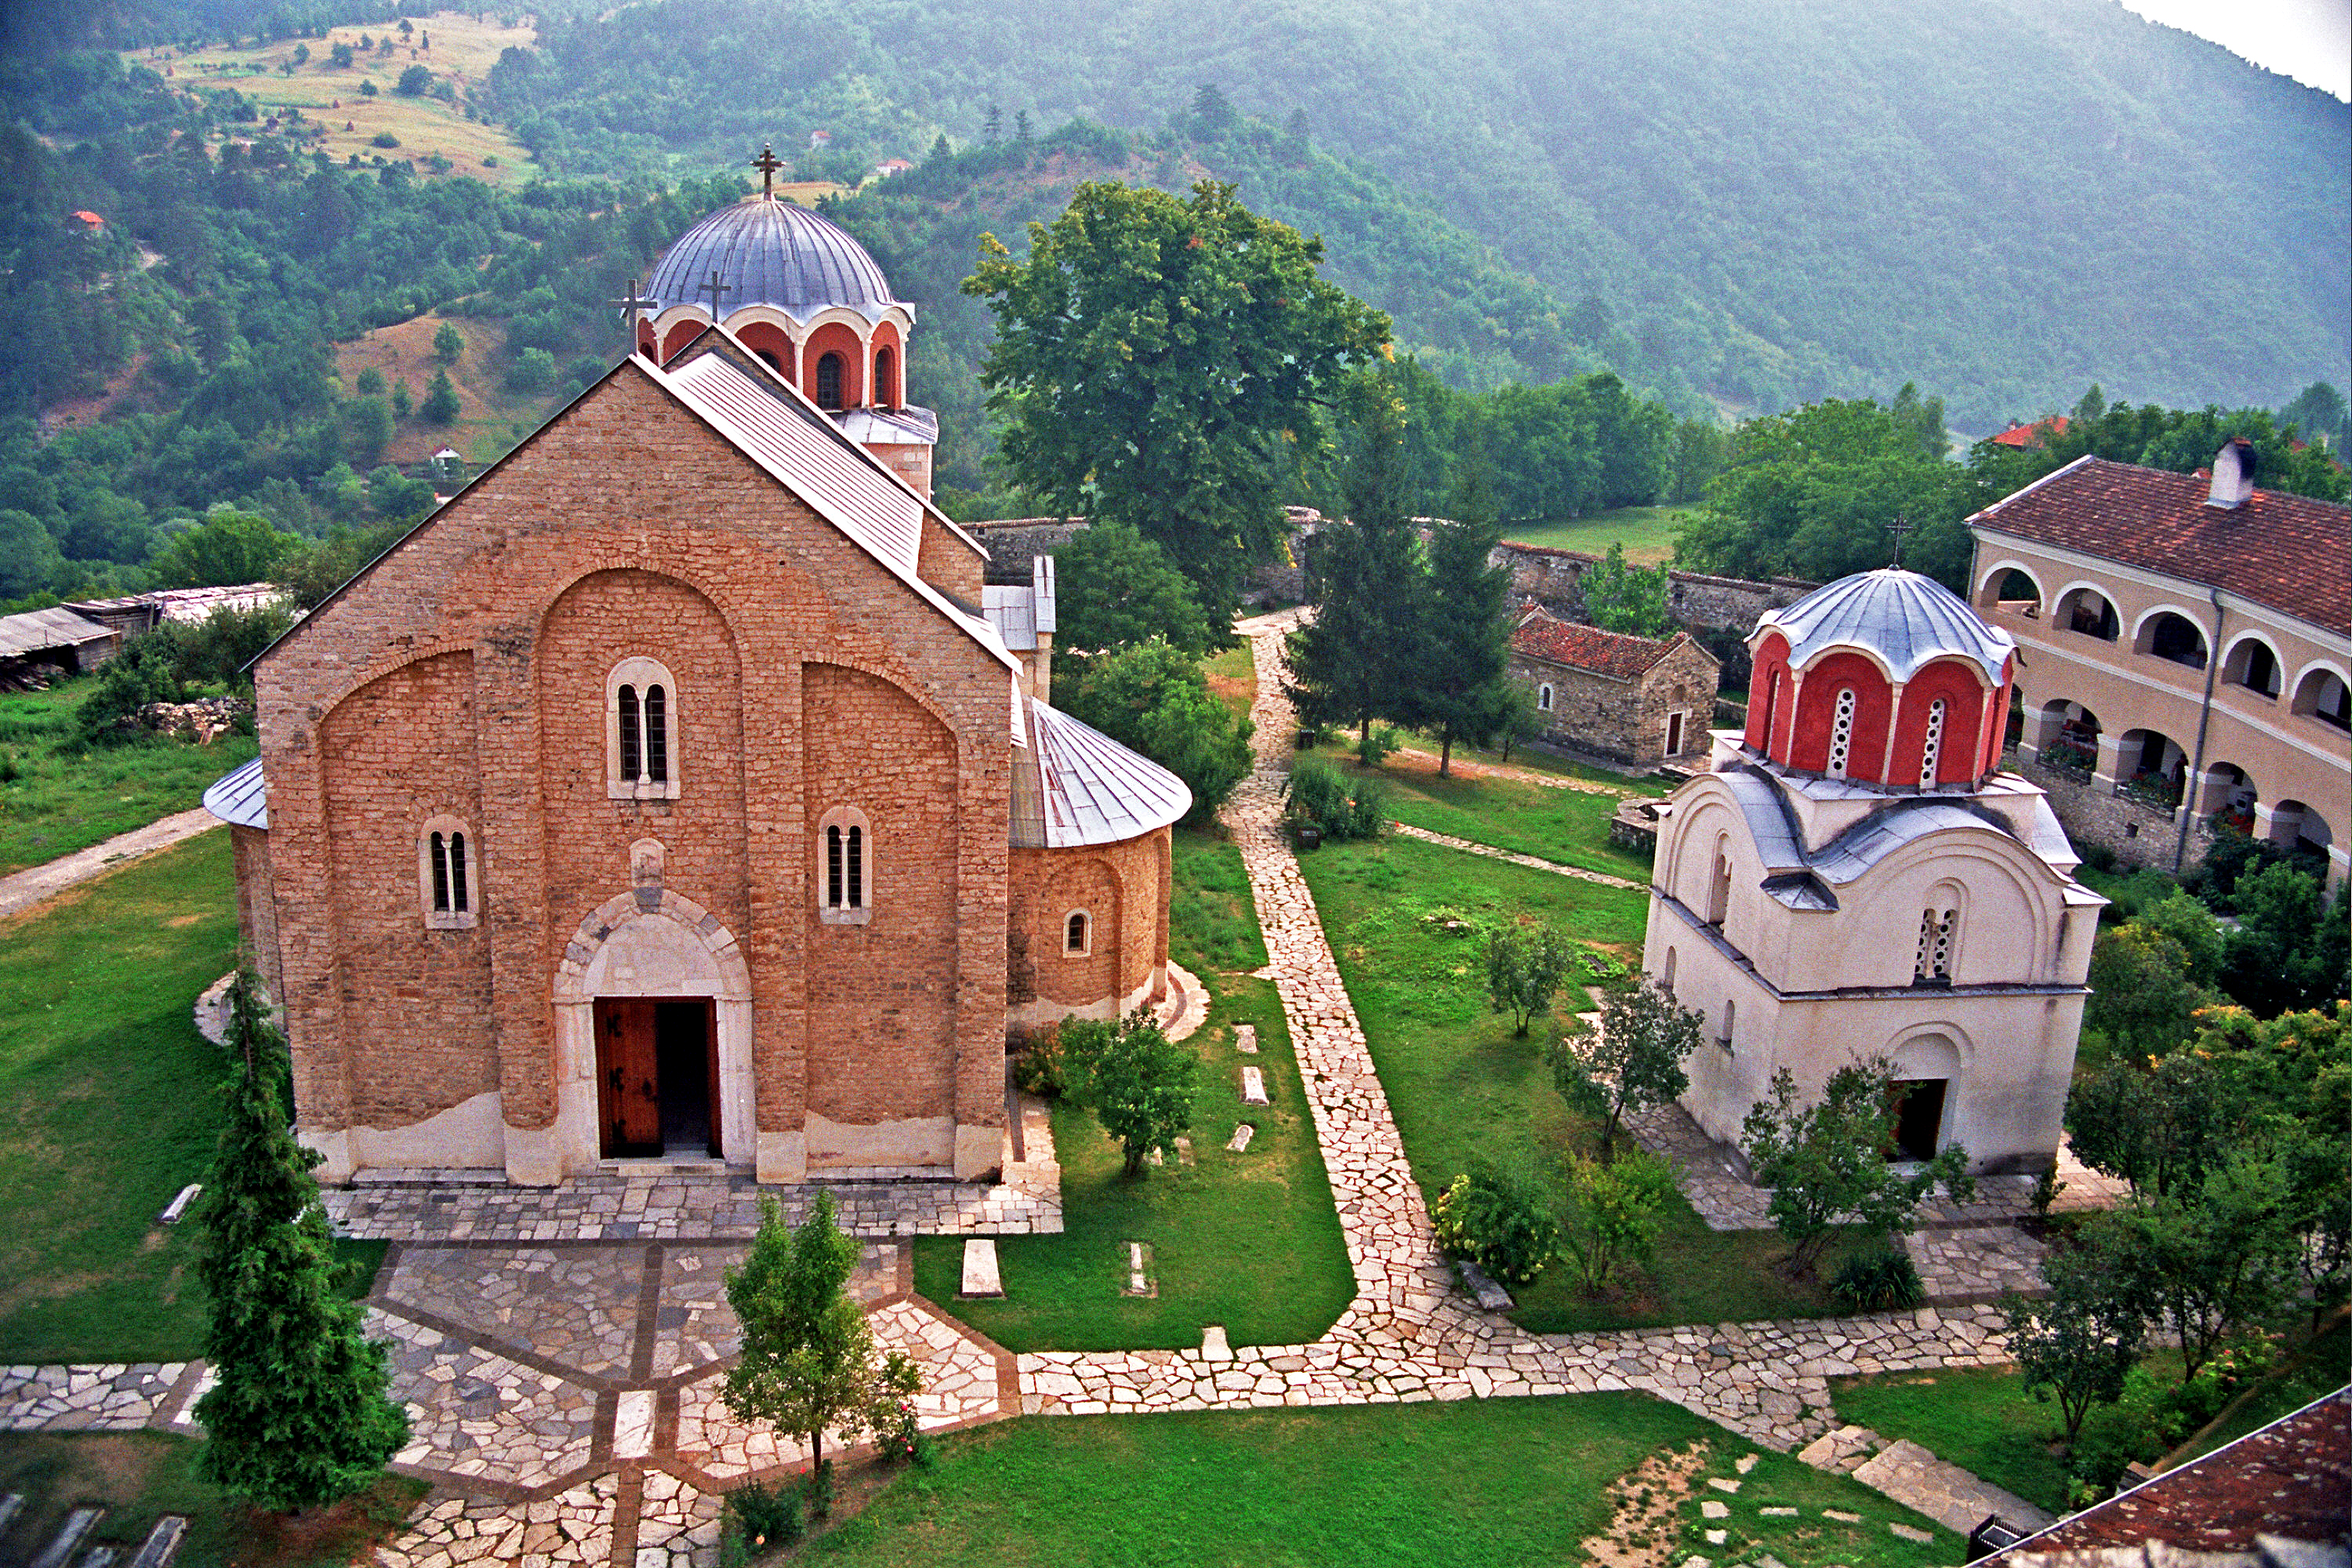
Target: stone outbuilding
x=1861 y=820
x=673 y=793
x=1636 y=701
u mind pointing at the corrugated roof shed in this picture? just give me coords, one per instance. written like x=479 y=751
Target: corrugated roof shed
x=38 y=631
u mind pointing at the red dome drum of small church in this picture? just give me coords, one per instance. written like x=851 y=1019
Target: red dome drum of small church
x=1884 y=678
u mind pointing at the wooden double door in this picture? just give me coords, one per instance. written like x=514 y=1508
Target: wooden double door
x=658 y=1077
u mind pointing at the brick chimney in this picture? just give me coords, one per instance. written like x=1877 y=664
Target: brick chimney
x=2233 y=475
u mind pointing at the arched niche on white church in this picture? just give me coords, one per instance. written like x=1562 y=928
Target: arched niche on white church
x=651 y=943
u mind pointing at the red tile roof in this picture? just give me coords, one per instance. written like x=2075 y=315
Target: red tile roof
x=2288 y=551
x=1613 y=654
x=2034 y=435
x=2291 y=1478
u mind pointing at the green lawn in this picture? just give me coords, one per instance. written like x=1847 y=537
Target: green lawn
x=54 y=801
x=1498 y=1481
x=1978 y=1418
x=1247 y=1240
x=106 y=1107
x=1647 y=533
x=1233 y=676
x=1462 y=1087
x=1567 y=827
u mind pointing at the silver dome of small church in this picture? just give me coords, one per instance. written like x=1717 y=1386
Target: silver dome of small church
x=764 y=251
x=1903 y=617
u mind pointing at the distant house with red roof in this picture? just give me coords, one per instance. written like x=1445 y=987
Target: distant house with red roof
x=2030 y=437
x=89 y=220
x=1633 y=701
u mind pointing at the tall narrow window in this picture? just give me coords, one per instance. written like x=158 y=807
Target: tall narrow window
x=886 y=378
x=1666 y=979
x=1730 y=1018
x=444 y=874
x=1718 y=887
x=1842 y=732
x=1543 y=698
x=1933 y=751
x=1074 y=934
x=1933 y=966
x=641 y=716
x=844 y=842
x=828 y=381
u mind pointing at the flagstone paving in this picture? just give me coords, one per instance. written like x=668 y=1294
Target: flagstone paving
x=562 y=1351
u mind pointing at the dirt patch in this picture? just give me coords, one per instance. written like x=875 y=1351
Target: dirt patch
x=1644 y=1525
x=178 y=920
x=345 y=1533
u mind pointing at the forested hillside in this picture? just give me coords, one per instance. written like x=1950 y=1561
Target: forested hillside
x=1769 y=200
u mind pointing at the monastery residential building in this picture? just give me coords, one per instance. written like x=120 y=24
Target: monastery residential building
x=1855 y=877
x=2186 y=655
x=680 y=788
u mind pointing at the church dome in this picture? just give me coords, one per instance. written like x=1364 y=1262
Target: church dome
x=768 y=252
x=1902 y=617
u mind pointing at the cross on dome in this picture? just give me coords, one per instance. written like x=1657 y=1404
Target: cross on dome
x=767 y=162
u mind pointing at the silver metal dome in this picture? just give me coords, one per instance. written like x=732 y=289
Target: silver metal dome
x=1906 y=620
x=768 y=252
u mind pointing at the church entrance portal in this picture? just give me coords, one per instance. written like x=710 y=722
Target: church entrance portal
x=1919 y=1117
x=655 y=1063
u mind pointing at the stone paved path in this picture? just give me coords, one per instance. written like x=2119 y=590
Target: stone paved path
x=1407 y=1336
x=21 y=891
x=1943 y=1493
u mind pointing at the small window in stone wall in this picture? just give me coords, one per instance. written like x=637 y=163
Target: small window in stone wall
x=845 y=867
x=1938 y=931
x=1078 y=934
x=1934 y=750
x=1543 y=698
x=447 y=874
x=1842 y=732
x=641 y=717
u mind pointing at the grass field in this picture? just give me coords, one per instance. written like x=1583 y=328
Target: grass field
x=1568 y=826
x=463 y=51
x=1248 y=1241
x=1976 y=1418
x=55 y=800
x=1481 y=1482
x=1462 y=1087
x=1647 y=533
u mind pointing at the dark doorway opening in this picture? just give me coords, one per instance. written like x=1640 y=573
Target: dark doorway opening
x=1919 y=1119
x=655 y=1063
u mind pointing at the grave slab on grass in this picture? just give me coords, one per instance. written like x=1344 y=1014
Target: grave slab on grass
x=1245 y=1039
x=1711 y=1509
x=1242 y=1136
x=1212 y=1344
x=179 y=1205
x=1141 y=1278
x=162 y=1542
x=980 y=1275
x=1253 y=1086
x=1489 y=1295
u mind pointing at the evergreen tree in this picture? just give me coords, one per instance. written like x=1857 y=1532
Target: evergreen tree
x=440 y=405
x=300 y=1414
x=1357 y=659
x=1463 y=689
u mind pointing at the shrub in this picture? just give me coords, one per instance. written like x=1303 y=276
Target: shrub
x=1138 y=1083
x=1153 y=698
x=414 y=81
x=761 y=1520
x=1877 y=1281
x=384 y=139
x=1525 y=966
x=1037 y=1066
x=140 y=674
x=1318 y=796
x=1614 y=1209
x=1497 y=1219
x=533 y=371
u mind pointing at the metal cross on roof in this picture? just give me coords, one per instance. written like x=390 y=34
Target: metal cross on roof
x=767 y=162
x=1898 y=528
x=714 y=286
x=635 y=304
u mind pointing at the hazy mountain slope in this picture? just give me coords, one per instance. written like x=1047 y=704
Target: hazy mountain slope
x=1776 y=198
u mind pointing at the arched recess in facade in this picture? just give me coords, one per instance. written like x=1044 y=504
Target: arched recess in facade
x=670 y=947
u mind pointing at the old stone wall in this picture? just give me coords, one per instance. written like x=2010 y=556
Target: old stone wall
x=2138 y=835
x=1120 y=888
x=1015 y=543
x=1717 y=610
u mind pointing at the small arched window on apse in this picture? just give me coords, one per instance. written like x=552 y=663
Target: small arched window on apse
x=1842 y=732
x=641 y=727
x=1718 y=883
x=845 y=868
x=1666 y=976
x=1932 y=750
x=1730 y=1021
x=829 y=369
x=1078 y=934
x=1543 y=698
x=447 y=873
x=886 y=378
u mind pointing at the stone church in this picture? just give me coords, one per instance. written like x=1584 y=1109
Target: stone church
x=680 y=790
x=1856 y=876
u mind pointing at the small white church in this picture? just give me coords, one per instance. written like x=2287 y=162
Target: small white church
x=1855 y=876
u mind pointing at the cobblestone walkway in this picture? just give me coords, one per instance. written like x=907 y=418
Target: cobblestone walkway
x=1407 y=1337
x=1406 y=830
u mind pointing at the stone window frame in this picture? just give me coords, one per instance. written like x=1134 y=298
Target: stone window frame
x=1931 y=747
x=853 y=903
x=1083 y=922
x=1841 y=753
x=641 y=674
x=448 y=873
x=1543 y=698
x=1936 y=959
